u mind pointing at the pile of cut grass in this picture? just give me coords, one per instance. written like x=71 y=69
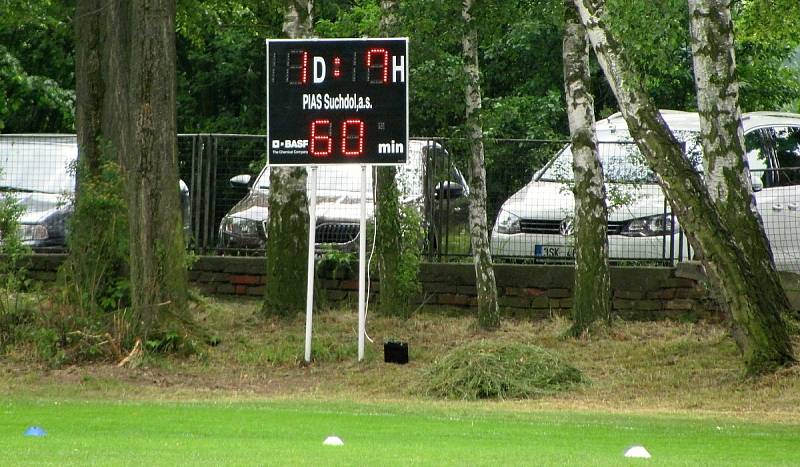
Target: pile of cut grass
x=488 y=369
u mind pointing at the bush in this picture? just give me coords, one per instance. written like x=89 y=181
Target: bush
x=499 y=370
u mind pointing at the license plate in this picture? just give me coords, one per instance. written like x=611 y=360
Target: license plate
x=554 y=251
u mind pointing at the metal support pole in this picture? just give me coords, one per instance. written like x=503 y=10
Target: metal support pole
x=312 y=239
x=362 y=267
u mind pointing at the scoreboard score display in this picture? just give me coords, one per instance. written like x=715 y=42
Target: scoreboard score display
x=337 y=101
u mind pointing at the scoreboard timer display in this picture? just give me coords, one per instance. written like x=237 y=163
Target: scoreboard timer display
x=335 y=101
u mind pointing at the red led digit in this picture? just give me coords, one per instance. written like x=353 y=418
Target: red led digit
x=321 y=136
x=297 y=66
x=353 y=137
x=337 y=64
x=378 y=65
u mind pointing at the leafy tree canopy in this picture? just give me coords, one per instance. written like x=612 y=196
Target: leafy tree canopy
x=37 y=63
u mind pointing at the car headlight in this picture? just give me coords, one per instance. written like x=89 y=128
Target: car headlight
x=239 y=226
x=32 y=232
x=649 y=226
x=507 y=223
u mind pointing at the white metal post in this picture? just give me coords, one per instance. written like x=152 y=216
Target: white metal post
x=312 y=239
x=362 y=271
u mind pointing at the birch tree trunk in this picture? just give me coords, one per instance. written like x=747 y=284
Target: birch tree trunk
x=725 y=165
x=488 y=313
x=764 y=342
x=592 y=294
x=287 y=229
x=388 y=244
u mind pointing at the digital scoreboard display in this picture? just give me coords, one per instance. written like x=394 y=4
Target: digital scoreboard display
x=337 y=101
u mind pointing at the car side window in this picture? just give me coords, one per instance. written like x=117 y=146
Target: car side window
x=782 y=145
x=757 y=160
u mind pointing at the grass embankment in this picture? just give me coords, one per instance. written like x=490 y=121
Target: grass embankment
x=633 y=366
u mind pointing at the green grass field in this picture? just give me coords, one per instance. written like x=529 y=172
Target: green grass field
x=675 y=387
x=292 y=432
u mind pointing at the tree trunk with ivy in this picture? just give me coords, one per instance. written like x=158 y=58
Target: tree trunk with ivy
x=488 y=312
x=592 y=294
x=394 y=296
x=287 y=229
x=764 y=342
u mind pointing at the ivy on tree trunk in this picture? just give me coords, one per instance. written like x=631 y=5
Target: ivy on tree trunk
x=287 y=229
x=394 y=297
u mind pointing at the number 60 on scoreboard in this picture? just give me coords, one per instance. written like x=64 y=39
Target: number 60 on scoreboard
x=335 y=101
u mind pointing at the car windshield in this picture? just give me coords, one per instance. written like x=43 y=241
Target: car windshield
x=37 y=166
x=622 y=162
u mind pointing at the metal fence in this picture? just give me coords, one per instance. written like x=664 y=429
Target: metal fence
x=529 y=197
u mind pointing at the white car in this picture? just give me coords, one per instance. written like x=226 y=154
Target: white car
x=37 y=172
x=536 y=222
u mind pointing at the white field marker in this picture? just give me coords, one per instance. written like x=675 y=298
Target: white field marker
x=333 y=441
x=638 y=451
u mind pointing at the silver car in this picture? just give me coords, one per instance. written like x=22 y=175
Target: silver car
x=338 y=207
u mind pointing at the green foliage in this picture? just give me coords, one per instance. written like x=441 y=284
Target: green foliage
x=36 y=66
x=221 y=63
x=499 y=370
x=336 y=264
x=15 y=308
x=170 y=341
x=412 y=236
x=94 y=276
x=361 y=19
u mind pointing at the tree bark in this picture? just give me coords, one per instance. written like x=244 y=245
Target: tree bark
x=158 y=271
x=765 y=341
x=488 y=313
x=592 y=294
x=388 y=232
x=725 y=164
x=92 y=265
x=287 y=229
x=89 y=89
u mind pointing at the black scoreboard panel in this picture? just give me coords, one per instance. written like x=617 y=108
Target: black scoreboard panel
x=335 y=101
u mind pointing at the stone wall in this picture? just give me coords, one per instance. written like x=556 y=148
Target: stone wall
x=533 y=289
x=539 y=290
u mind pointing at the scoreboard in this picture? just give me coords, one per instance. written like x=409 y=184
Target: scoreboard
x=337 y=101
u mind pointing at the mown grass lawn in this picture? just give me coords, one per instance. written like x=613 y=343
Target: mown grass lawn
x=675 y=387
x=427 y=433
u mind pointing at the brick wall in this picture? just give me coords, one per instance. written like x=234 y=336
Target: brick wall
x=638 y=292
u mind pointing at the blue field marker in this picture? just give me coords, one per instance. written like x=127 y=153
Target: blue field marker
x=35 y=431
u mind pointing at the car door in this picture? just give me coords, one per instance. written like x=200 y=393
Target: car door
x=774 y=159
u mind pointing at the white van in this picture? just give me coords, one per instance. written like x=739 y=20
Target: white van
x=536 y=222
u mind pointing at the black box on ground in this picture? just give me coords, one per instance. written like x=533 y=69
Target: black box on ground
x=395 y=352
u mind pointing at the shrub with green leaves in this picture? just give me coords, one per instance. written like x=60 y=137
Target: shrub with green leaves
x=489 y=369
x=15 y=308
